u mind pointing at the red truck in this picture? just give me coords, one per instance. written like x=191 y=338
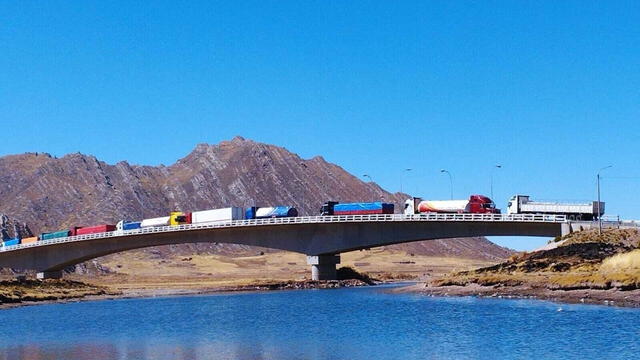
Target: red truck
x=477 y=204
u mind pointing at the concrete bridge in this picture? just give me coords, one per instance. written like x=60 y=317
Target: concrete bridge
x=321 y=238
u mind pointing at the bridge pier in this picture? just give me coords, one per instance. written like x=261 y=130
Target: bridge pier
x=49 y=275
x=565 y=229
x=323 y=267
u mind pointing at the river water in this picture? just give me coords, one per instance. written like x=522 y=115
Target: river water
x=353 y=323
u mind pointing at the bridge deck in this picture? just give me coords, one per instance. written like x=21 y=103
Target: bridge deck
x=430 y=217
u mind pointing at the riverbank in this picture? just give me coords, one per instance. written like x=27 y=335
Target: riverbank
x=611 y=297
x=18 y=292
x=33 y=292
x=583 y=267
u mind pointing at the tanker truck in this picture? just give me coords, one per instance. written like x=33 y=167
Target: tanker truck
x=477 y=204
x=521 y=204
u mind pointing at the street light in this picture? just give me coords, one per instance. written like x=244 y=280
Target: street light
x=450 y=181
x=401 y=176
x=371 y=180
x=598 y=185
x=492 y=169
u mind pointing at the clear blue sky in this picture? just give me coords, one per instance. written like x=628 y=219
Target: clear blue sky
x=549 y=90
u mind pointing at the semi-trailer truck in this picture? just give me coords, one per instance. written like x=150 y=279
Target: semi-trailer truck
x=521 y=204
x=477 y=204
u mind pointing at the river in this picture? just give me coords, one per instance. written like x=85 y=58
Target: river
x=350 y=323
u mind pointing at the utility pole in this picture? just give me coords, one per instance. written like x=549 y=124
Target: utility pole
x=598 y=205
x=450 y=181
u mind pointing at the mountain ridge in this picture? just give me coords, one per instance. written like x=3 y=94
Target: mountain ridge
x=49 y=193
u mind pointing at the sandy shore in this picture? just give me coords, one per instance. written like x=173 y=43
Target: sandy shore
x=611 y=297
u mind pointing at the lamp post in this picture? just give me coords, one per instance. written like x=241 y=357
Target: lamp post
x=598 y=205
x=492 y=169
x=371 y=180
x=450 y=181
x=401 y=177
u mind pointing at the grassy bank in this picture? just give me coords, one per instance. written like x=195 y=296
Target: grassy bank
x=584 y=264
x=15 y=292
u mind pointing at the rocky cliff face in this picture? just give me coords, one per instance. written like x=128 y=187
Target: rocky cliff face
x=52 y=193
x=11 y=228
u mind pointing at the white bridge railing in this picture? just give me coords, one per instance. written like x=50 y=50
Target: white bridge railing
x=430 y=217
x=615 y=221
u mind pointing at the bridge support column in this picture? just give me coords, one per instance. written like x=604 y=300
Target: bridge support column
x=49 y=275
x=323 y=267
x=565 y=228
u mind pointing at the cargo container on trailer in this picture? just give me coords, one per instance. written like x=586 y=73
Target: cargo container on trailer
x=11 y=242
x=159 y=221
x=127 y=225
x=54 y=235
x=95 y=229
x=359 y=208
x=29 y=240
x=217 y=215
x=270 y=212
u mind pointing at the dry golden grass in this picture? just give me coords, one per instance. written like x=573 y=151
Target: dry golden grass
x=627 y=237
x=32 y=290
x=142 y=271
x=620 y=271
x=628 y=263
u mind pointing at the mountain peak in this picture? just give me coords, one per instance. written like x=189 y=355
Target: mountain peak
x=76 y=190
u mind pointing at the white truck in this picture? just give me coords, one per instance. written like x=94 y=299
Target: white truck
x=521 y=204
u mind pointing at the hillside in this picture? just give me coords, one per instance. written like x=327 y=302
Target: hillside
x=49 y=193
x=584 y=266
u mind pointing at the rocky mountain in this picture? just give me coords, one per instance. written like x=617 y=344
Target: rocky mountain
x=51 y=193
x=11 y=228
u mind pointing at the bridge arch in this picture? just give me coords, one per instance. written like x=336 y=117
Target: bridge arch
x=320 y=241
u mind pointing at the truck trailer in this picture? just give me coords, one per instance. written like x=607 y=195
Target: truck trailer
x=255 y=212
x=217 y=215
x=360 y=208
x=477 y=204
x=521 y=204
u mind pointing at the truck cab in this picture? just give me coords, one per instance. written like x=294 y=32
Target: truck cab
x=513 y=207
x=411 y=206
x=480 y=204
